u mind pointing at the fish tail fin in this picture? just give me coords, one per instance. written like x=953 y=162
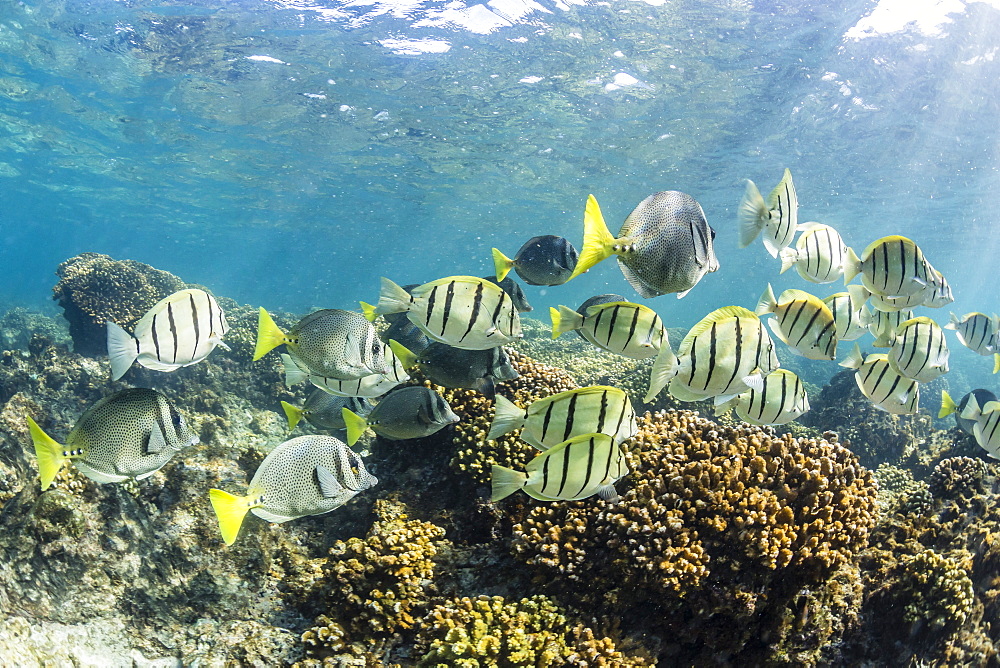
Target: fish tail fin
x=49 y=453
x=664 y=368
x=405 y=356
x=996 y=362
x=564 y=320
x=508 y=417
x=854 y=359
x=230 y=510
x=392 y=298
x=852 y=266
x=293 y=372
x=293 y=413
x=502 y=264
x=505 y=482
x=752 y=214
x=953 y=321
x=767 y=302
x=725 y=405
x=368 y=311
x=487 y=387
x=122 y=350
x=269 y=335
x=789 y=256
x=859 y=295
x=597 y=239
x=948 y=405
x=356 y=425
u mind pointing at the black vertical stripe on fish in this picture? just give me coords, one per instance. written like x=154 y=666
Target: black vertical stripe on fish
x=738 y=341
x=154 y=330
x=995 y=418
x=477 y=302
x=590 y=468
x=566 y=452
x=902 y=266
x=794 y=311
x=712 y=352
x=570 y=415
x=612 y=451
x=611 y=325
x=784 y=396
x=194 y=320
x=499 y=309
x=694 y=361
x=631 y=326
x=621 y=415
x=652 y=327
x=597 y=321
x=173 y=329
x=545 y=421
x=431 y=302
x=603 y=412
x=809 y=325
x=446 y=312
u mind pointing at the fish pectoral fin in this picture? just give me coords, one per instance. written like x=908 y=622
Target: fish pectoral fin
x=644 y=289
x=217 y=340
x=755 y=381
x=329 y=486
x=157 y=440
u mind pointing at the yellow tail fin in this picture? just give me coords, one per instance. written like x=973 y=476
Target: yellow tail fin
x=269 y=335
x=505 y=482
x=502 y=264
x=356 y=425
x=405 y=356
x=230 y=510
x=948 y=405
x=293 y=413
x=49 y=453
x=597 y=239
x=368 y=310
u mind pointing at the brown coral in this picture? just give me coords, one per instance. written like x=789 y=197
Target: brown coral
x=957 y=477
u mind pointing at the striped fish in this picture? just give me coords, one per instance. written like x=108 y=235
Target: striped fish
x=575 y=469
x=818 y=255
x=977 y=332
x=892 y=266
x=987 y=424
x=948 y=406
x=180 y=330
x=782 y=399
x=375 y=385
x=777 y=218
x=463 y=311
x=850 y=314
x=623 y=328
x=726 y=353
x=919 y=351
x=883 y=325
x=886 y=389
x=802 y=321
x=552 y=420
x=934 y=295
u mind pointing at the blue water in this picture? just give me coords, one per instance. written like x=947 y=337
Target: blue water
x=289 y=154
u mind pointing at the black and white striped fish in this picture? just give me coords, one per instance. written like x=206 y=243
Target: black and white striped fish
x=987 y=424
x=554 y=419
x=948 y=406
x=892 y=266
x=919 y=350
x=397 y=357
x=977 y=332
x=886 y=389
x=463 y=311
x=850 y=314
x=883 y=325
x=934 y=295
x=180 y=330
x=574 y=469
x=818 y=255
x=777 y=218
x=802 y=321
x=623 y=328
x=782 y=399
x=726 y=353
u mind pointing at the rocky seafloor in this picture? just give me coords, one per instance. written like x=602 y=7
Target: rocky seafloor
x=855 y=538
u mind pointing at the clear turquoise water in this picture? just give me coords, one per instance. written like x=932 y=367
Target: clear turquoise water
x=290 y=153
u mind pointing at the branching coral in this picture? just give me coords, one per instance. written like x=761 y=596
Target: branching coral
x=957 y=477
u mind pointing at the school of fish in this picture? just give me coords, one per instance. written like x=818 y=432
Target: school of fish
x=453 y=330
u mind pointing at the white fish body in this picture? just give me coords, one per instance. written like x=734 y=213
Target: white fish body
x=180 y=330
x=371 y=386
x=802 y=321
x=987 y=424
x=977 y=332
x=886 y=389
x=850 y=313
x=919 y=350
x=884 y=323
x=776 y=219
x=782 y=399
x=818 y=255
x=624 y=328
x=892 y=266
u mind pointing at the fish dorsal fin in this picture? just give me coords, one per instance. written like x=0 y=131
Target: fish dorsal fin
x=157 y=440
x=597 y=308
x=705 y=324
x=776 y=330
x=329 y=486
x=637 y=283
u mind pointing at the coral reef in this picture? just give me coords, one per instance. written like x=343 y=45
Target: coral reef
x=957 y=477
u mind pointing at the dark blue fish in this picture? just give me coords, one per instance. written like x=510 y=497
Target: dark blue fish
x=544 y=260
x=406 y=333
x=514 y=291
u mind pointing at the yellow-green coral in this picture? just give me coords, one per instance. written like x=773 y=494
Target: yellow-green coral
x=936 y=590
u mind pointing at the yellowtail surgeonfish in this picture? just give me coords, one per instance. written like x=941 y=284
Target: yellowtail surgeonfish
x=577 y=468
x=986 y=427
x=664 y=246
x=948 y=406
x=130 y=434
x=544 y=260
x=398 y=357
x=883 y=325
x=180 y=330
x=322 y=410
x=554 y=419
x=802 y=321
x=725 y=354
x=782 y=399
x=409 y=412
x=624 y=328
x=818 y=255
x=919 y=350
x=777 y=218
x=892 y=266
x=850 y=314
x=331 y=343
x=463 y=311
x=307 y=475
x=979 y=333
x=886 y=389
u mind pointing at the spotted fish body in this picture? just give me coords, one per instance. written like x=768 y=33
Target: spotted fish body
x=818 y=255
x=180 y=330
x=623 y=328
x=665 y=245
x=463 y=311
x=554 y=419
x=850 y=314
x=410 y=412
x=802 y=321
x=776 y=219
x=977 y=332
x=919 y=351
x=892 y=266
x=130 y=434
x=886 y=389
x=781 y=399
x=307 y=475
x=575 y=469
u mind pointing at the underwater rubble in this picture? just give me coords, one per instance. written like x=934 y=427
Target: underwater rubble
x=861 y=538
